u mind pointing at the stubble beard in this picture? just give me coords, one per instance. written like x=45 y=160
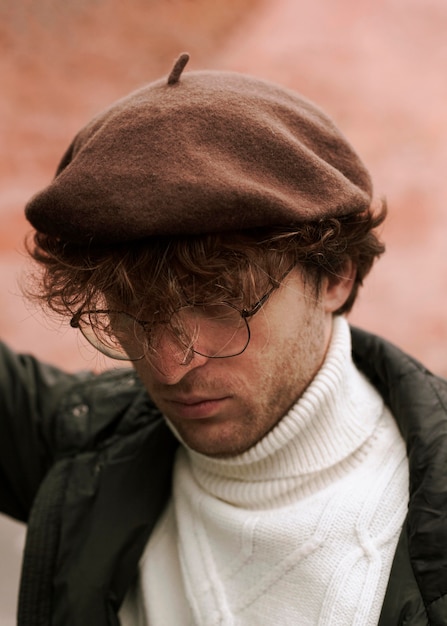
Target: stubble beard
x=281 y=383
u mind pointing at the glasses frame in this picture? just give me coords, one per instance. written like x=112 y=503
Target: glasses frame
x=245 y=314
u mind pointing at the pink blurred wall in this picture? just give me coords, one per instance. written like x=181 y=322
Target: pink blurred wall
x=377 y=67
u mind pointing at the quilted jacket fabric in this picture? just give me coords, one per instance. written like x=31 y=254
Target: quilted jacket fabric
x=86 y=461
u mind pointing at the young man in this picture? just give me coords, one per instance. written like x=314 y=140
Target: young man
x=213 y=229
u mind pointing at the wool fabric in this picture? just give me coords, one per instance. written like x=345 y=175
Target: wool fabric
x=199 y=152
x=300 y=529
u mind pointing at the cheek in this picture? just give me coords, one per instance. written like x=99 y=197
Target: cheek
x=291 y=346
x=303 y=321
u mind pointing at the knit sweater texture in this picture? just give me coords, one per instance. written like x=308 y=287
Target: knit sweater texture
x=300 y=529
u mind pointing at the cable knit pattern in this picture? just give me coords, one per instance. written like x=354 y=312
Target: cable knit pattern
x=300 y=529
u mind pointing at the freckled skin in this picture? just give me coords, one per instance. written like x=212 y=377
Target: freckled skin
x=289 y=339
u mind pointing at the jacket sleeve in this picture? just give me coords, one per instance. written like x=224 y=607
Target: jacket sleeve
x=30 y=393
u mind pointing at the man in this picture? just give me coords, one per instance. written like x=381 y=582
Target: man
x=213 y=229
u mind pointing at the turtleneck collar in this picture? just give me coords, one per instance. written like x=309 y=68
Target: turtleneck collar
x=325 y=432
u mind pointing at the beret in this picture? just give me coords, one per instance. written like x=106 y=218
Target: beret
x=200 y=152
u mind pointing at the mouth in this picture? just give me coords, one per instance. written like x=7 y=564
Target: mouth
x=192 y=407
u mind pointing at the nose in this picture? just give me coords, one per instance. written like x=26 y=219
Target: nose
x=172 y=371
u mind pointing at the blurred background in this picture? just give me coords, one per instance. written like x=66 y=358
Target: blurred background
x=378 y=67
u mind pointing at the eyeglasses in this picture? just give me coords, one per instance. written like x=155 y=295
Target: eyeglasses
x=216 y=331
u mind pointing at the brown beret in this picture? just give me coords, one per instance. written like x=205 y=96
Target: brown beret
x=201 y=152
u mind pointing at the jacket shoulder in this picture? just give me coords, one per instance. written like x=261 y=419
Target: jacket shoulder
x=105 y=406
x=31 y=393
x=418 y=401
x=385 y=365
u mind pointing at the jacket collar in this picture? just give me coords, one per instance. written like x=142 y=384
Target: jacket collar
x=418 y=401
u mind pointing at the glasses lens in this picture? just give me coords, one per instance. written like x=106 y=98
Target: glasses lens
x=115 y=334
x=216 y=330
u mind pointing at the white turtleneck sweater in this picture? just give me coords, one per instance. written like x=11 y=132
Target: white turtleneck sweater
x=301 y=529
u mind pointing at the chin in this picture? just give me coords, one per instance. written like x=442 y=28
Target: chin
x=213 y=440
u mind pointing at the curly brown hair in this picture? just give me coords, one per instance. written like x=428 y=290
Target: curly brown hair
x=162 y=274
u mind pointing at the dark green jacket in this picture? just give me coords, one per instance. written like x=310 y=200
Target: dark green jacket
x=87 y=460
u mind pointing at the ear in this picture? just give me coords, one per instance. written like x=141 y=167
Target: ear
x=337 y=288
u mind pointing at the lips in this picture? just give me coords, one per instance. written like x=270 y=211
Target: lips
x=191 y=400
x=196 y=407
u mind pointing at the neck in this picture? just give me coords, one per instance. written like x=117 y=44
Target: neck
x=322 y=434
